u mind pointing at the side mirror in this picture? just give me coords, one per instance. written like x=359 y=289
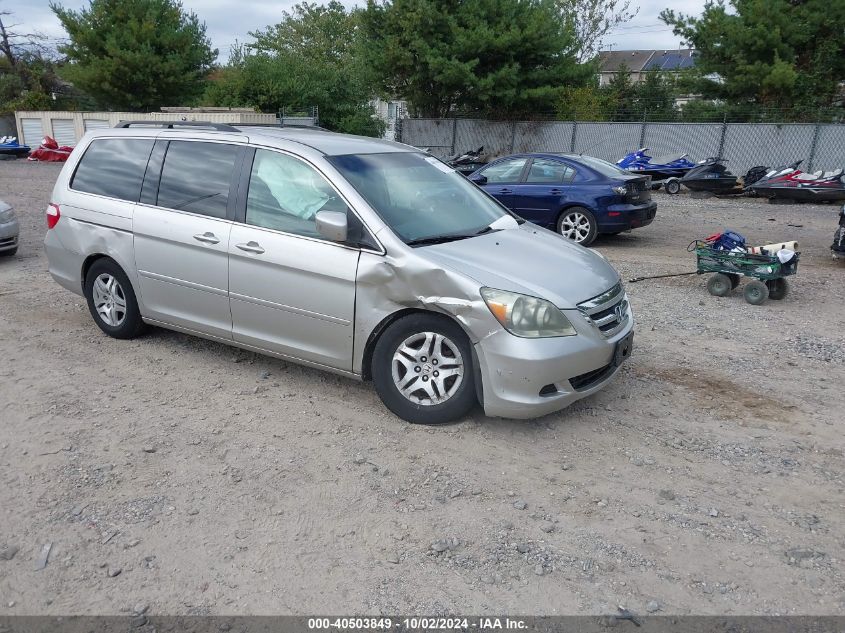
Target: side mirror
x=332 y=225
x=479 y=179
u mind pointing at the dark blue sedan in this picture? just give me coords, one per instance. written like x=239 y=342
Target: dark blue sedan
x=577 y=196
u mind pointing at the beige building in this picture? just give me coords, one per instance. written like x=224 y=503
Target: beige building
x=68 y=127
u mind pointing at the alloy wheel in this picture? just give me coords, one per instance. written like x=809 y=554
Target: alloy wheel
x=575 y=226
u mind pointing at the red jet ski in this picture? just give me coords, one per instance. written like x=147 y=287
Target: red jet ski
x=50 y=152
x=790 y=183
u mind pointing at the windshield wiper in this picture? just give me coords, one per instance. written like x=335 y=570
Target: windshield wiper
x=439 y=239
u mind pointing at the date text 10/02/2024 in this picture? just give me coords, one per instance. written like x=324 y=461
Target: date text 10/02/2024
x=417 y=624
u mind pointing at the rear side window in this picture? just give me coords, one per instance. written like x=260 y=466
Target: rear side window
x=508 y=170
x=196 y=177
x=113 y=167
x=545 y=171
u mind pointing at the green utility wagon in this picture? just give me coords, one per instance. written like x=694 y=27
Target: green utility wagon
x=768 y=273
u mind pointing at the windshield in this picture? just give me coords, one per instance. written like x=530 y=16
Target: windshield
x=417 y=196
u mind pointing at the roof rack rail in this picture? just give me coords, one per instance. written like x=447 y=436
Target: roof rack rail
x=170 y=125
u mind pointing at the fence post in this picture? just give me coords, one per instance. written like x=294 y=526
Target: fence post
x=814 y=144
x=572 y=140
x=513 y=137
x=397 y=126
x=722 y=136
x=454 y=134
x=642 y=130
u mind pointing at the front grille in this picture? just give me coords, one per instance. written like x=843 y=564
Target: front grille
x=585 y=381
x=608 y=312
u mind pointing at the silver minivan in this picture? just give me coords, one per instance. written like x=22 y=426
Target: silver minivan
x=359 y=256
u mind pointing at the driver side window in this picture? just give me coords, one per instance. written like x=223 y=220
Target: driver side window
x=285 y=194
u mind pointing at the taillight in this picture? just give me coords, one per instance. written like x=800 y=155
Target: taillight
x=53 y=215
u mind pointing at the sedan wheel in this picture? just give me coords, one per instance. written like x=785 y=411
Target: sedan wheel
x=579 y=225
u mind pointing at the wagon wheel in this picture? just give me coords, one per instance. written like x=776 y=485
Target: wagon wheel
x=778 y=288
x=734 y=279
x=719 y=285
x=756 y=292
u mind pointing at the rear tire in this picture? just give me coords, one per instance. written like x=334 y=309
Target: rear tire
x=734 y=279
x=410 y=364
x=778 y=289
x=578 y=225
x=756 y=292
x=111 y=300
x=719 y=285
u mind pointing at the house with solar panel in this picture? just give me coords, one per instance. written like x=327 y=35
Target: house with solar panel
x=640 y=62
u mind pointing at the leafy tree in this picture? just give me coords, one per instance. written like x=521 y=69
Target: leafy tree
x=136 y=54
x=310 y=58
x=775 y=53
x=592 y=20
x=489 y=57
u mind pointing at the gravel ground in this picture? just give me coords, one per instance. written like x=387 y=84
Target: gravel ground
x=193 y=478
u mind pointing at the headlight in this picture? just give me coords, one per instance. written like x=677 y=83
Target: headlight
x=7 y=216
x=620 y=190
x=526 y=316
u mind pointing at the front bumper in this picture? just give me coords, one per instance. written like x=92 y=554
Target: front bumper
x=631 y=216
x=9 y=232
x=527 y=378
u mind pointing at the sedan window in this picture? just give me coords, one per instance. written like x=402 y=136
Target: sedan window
x=508 y=170
x=544 y=171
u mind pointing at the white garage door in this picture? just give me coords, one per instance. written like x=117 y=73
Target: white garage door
x=32 y=132
x=95 y=124
x=64 y=132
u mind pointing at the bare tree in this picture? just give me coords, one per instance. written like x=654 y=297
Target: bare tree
x=592 y=20
x=14 y=43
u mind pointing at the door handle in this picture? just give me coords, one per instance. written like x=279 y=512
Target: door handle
x=505 y=190
x=208 y=237
x=556 y=192
x=251 y=247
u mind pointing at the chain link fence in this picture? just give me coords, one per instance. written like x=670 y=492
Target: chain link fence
x=744 y=145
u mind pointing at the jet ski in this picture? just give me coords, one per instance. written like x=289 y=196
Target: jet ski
x=790 y=183
x=9 y=146
x=838 y=246
x=467 y=162
x=660 y=168
x=711 y=175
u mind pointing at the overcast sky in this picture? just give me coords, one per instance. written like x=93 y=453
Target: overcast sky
x=229 y=20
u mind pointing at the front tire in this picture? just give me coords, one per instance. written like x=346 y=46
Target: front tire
x=756 y=292
x=422 y=370
x=111 y=300
x=719 y=285
x=578 y=224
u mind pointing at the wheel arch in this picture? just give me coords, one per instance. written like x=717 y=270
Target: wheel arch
x=89 y=261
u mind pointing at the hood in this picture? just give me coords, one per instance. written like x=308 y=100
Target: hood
x=529 y=260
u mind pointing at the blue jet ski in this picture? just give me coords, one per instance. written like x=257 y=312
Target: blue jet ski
x=658 y=168
x=9 y=146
